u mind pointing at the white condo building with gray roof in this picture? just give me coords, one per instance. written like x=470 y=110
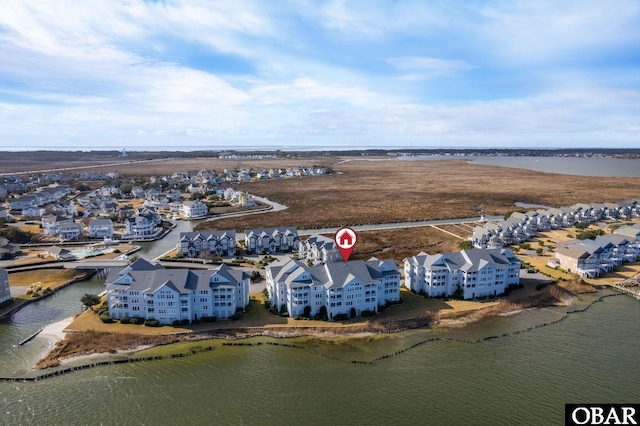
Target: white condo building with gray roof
x=339 y=286
x=143 y=290
x=5 y=292
x=271 y=240
x=319 y=249
x=478 y=272
x=210 y=243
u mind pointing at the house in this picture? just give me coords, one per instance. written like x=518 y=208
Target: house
x=100 y=228
x=5 y=291
x=342 y=288
x=137 y=192
x=632 y=232
x=7 y=250
x=271 y=240
x=33 y=211
x=23 y=202
x=4 y=213
x=60 y=253
x=192 y=209
x=69 y=231
x=475 y=273
x=319 y=249
x=147 y=291
x=578 y=261
x=140 y=226
x=208 y=243
x=60 y=226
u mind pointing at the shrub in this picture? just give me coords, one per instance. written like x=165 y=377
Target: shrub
x=297 y=318
x=352 y=312
x=340 y=317
x=175 y=322
x=136 y=321
x=184 y=322
x=267 y=304
x=465 y=245
x=209 y=319
x=103 y=311
x=367 y=313
x=125 y=320
x=195 y=321
x=152 y=323
x=106 y=318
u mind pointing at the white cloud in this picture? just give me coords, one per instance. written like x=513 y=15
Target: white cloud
x=421 y=68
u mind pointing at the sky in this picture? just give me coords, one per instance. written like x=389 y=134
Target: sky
x=303 y=74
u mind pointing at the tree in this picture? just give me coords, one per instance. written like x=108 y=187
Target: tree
x=132 y=259
x=255 y=276
x=307 y=311
x=539 y=251
x=125 y=188
x=90 y=300
x=458 y=294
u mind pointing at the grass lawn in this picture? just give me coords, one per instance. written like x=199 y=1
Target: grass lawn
x=46 y=277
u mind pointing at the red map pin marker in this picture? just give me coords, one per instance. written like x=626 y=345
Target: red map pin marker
x=346 y=239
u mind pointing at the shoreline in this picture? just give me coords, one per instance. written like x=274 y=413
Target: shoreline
x=55 y=332
x=135 y=354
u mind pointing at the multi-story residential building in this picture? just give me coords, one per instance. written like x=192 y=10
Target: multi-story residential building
x=319 y=249
x=579 y=261
x=23 y=202
x=191 y=209
x=271 y=240
x=63 y=227
x=100 y=228
x=143 y=290
x=477 y=272
x=140 y=226
x=5 y=293
x=209 y=243
x=347 y=288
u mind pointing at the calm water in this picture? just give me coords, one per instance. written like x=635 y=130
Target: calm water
x=32 y=318
x=521 y=379
x=580 y=166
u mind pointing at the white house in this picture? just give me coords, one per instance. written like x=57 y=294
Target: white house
x=215 y=243
x=191 y=209
x=319 y=249
x=62 y=227
x=23 y=202
x=100 y=228
x=139 y=226
x=147 y=291
x=33 y=211
x=271 y=240
x=477 y=272
x=347 y=288
x=578 y=261
x=5 y=293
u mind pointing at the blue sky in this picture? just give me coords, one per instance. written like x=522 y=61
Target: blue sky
x=102 y=74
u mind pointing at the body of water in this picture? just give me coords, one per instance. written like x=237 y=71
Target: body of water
x=579 y=166
x=523 y=378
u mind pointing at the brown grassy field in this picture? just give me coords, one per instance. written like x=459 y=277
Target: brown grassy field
x=47 y=277
x=363 y=192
